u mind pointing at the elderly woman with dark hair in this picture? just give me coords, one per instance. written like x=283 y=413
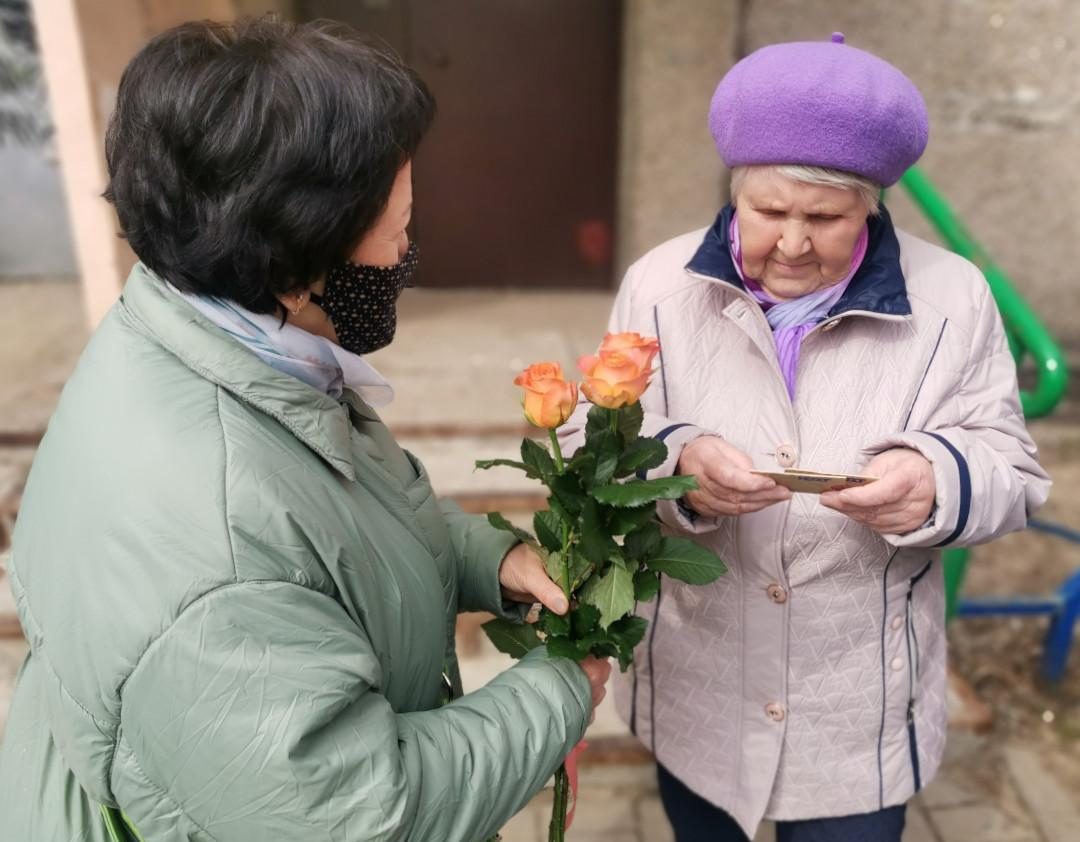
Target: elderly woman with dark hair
x=802 y=330
x=239 y=592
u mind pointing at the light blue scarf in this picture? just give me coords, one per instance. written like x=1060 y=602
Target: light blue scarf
x=322 y=364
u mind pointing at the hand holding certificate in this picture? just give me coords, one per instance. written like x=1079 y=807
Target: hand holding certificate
x=900 y=501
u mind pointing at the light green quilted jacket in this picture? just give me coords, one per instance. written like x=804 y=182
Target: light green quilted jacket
x=240 y=597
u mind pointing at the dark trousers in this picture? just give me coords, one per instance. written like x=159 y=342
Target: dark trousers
x=696 y=820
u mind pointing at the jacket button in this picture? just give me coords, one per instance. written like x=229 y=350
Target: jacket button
x=777 y=594
x=897 y=622
x=830 y=325
x=785 y=455
x=897 y=664
x=775 y=711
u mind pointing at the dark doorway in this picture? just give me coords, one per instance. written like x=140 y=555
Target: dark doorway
x=515 y=185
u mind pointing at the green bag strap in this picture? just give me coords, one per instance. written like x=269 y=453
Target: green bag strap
x=119 y=826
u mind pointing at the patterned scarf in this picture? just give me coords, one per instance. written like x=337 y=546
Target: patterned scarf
x=312 y=359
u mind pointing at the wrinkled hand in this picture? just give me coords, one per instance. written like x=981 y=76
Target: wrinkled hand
x=524 y=579
x=901 y=499
x=725 y=484
x=598 y=671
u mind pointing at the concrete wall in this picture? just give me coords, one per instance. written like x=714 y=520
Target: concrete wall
x=1002 y=83
x=670 y=179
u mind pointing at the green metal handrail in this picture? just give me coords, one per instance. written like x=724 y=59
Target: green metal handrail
x=1027 y=335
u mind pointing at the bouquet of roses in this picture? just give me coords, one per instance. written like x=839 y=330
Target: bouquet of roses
x=599 y=537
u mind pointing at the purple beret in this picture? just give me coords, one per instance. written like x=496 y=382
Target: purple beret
x=821 y=104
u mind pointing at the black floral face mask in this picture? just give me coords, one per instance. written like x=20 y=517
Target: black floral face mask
x=361 y=301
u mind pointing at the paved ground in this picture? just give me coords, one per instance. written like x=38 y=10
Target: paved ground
x=453 y=364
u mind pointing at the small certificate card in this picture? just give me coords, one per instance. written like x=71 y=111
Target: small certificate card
x=814 y=482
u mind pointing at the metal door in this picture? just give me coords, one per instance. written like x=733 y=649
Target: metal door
x=515 y=184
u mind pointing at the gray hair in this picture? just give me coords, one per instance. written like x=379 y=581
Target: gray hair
x=869 y=192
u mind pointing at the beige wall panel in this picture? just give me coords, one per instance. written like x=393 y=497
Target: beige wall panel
x=85 y=46
x=670 y=177
x=252 y=8
x=1002 y=84
x=161 y=14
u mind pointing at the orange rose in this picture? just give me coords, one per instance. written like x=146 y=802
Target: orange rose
x=549 y=399
x=620 y=371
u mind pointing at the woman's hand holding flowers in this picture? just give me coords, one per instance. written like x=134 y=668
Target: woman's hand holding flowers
x=899 y=502
x=524 y=579
x=725 y=484
x=598 y=671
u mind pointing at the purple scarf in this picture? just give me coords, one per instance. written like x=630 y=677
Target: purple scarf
x=792 y=320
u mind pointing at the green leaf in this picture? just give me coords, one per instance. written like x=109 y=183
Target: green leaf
x=643 y=543
x=554 y=567
x=605 y=447
x=626 y=634
x=567 y=490
x=646 y=585
x=623 y=521
x=605 y=468
x=536 y=457
x=630 y=420
x=560 y=510
x=612 y=593
x=553 y=624
x=597 y=421
x=595 y=542
x=637 y=492
x=628 y=423
x=643 y=454
x=583 y=464
x=687 y=561
x=584 y=620
x=580 y=569
x=514 y=639
x=484 y=464
x=500 y=522
x=629 y=631
x=548 y=528
x=564 y=647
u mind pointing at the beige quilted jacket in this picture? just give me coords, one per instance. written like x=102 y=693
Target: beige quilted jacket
x=810 y=680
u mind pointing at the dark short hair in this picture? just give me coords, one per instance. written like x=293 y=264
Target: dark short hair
x=247 y=159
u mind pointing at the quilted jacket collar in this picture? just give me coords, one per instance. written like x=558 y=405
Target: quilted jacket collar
x=878 y=286
x=314 y=418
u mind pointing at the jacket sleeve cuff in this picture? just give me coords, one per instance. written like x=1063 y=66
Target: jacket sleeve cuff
x=952 y=480
x=676 y=513
x=486 y=593
x=481 y=549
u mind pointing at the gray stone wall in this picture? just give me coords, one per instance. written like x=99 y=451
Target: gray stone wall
x=670 y=179
x=1001 y=79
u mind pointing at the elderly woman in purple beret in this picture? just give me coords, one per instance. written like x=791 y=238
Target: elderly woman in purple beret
x=803 y=330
